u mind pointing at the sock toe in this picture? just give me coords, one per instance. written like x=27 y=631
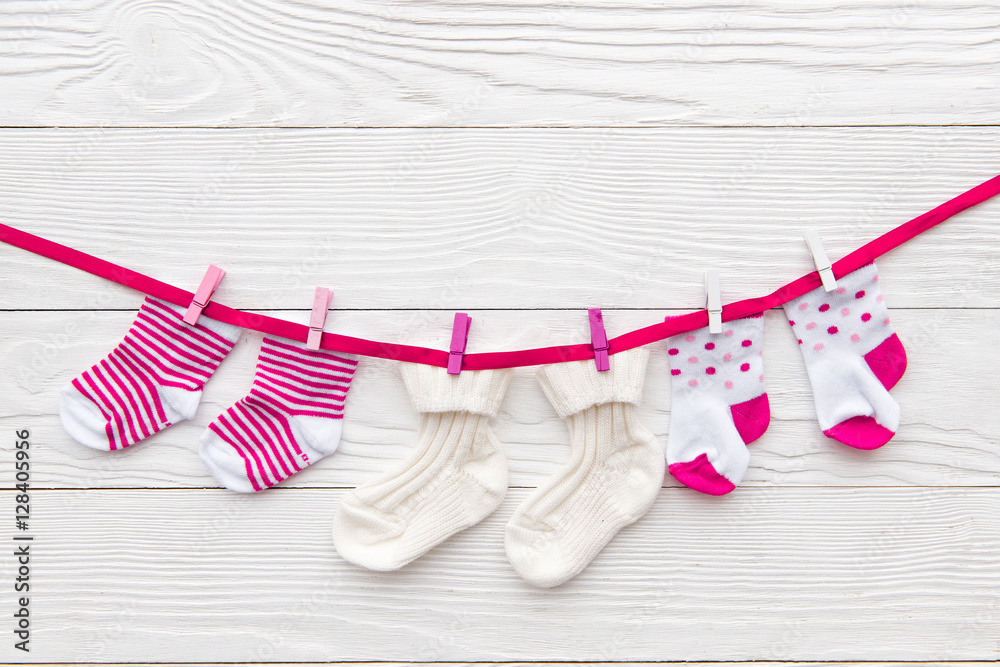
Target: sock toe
x=82 y=419
x=367 y=537
x=860 y=432
x=536 y=555
x=225 y=463
x=700 y=475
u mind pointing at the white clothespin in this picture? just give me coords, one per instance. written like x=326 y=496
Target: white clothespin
x=714 y=301
x=820 y=259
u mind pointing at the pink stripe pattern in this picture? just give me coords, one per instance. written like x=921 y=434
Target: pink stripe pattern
x=135 y=387
x=290 y=418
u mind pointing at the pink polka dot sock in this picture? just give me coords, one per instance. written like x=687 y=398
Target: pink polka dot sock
x=718 y=405
x=853 y=358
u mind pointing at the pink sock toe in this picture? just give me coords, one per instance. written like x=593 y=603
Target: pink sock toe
x=860 y=432
x=700 y=475
x=888 y=361
x=752 y=417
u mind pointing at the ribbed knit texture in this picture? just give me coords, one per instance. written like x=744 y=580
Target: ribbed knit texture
x=291 y=418
x=455 y=477
x=612 y=478
x=853 y=358
x=153 y=379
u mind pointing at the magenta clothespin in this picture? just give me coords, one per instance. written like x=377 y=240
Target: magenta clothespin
x=459 y=339
x=599 y=339
x=321 y=305
x=208 y=285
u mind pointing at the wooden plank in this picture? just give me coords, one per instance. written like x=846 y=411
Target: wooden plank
x=492 y=218
x=767 y=574
x=505 y=63
x=946 y=437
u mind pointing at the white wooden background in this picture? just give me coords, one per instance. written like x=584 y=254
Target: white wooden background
x=523 y=161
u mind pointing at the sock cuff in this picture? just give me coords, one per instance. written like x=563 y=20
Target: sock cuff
x=578 y=385
x=227 y=331
x=432 y=389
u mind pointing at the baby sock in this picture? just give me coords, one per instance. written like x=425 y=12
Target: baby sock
x=455 y=477
x=291 y=418
x=853 y=358
x=613 y=475
x=719 y=404
x=153 y=379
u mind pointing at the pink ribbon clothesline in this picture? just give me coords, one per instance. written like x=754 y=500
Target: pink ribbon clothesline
x=487 y=360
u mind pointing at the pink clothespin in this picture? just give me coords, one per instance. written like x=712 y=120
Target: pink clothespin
x=459 y=339
x=207 y=287
x=321 y=305
x=599 y=339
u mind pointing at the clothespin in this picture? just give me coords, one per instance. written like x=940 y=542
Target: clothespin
x=459 y=339
x=207 y=287
x=820 y=259
x=599 y=339
x=714 y=301
x=321 y=305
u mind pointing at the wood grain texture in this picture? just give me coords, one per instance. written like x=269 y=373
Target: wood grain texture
x=477 y=218
x=513 y=62
x=906 y=574
x=946 y=437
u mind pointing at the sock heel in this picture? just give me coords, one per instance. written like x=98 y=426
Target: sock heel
x=888 y=361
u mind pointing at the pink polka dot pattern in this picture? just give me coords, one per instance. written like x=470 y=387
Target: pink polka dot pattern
x=720 y=358
x=843 y=318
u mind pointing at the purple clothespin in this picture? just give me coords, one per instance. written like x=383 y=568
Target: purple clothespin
x=599 y=339
x=321 y=304
x=459 y=339
x=207 y=287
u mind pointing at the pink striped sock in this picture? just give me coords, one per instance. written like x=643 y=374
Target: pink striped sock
x=153 y=379
x=291 y=418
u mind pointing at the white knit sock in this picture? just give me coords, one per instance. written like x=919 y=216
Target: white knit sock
x=610 y=481
x=455 y=477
